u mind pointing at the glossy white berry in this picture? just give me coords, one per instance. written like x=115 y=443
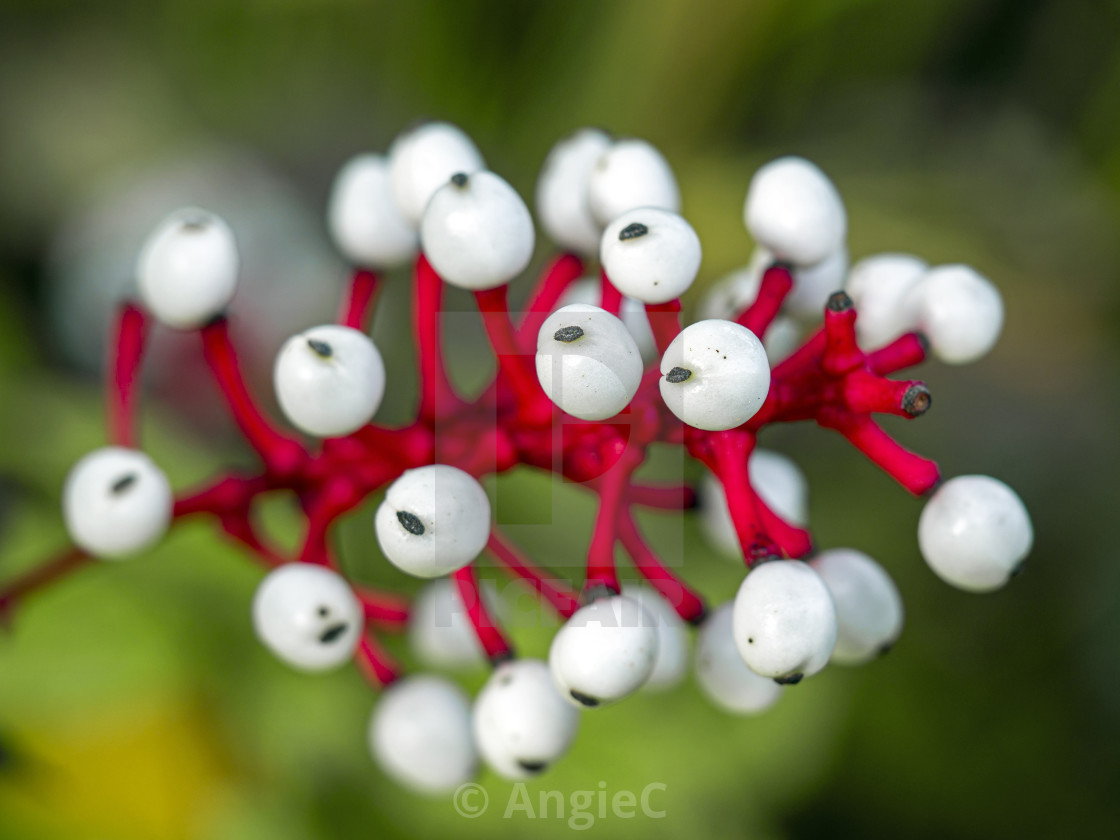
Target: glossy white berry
x=649 y=254
x=423 y=159
x=975 y=533
x=793 y=209
x=879 y=286
x=671 y=663
x=420 y=734
x=869 y=612
x=477 y=232
x=715 y=375
x=632 y=312
x=587 y=362
x=116 y=502
x=562 y=191
x=780 y=484
x=439 y=632
x=630 y=174
x=434 y=520
x=363 y=218
x=308 y=616
x=960 y=312
x=813 y=284
x=187 y=269
x=784 y=620
x=329 y=380
x=723 y=675
x=521 y=724
x=604 y=652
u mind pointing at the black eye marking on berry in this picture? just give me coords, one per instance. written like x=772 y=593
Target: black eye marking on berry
x=124 y=482
x=195 y=223
x=321 y=348
x=792 y=679
x=332 y=633
x=410 y=522
x=585 y=699
x=632 y=231
x=324 y=611
x=532 y=766
x=459 y=179
x=678 y=374
x=568 y=334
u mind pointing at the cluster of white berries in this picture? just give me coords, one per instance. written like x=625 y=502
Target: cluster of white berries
x=619 y=200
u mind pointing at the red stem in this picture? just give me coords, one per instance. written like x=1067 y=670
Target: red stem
x=437 y=396
x=904 y=352
x=678 y=497
x=912 y=471
x=687 y=603
x=13 y=591
x=777 y=282
x=384 y=609
x=732 y=452
x=121 y=394
x=563 y=598
x=610 y=298
x=841 y=353
x=494 y=643
x=564 y=271
x=665 y=321
x=377 y=666
x=612 y=495
x=518 y=367
x=357 y=307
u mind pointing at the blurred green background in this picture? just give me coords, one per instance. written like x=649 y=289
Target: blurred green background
x=134 y=702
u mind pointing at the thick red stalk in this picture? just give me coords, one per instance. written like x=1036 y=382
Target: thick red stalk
x=689 y=605
x=357 y=307
x=387 y=611
x=518 y=368
x=777 y=282
x=610 y=298
x=127 y=351
x=665 y=322
x=912 y=471
x=437 y=396
x=374 y=663
x=841 y=352
x=563 y=271
x=730 y=456
x=904 y=352
x=612 y=487
x=494 y=643
x=562 y=597
x=13 y=591
x=676 y=497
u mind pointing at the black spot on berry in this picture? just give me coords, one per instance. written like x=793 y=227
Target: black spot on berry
x=410 y=522
x=568 y=334
x=532 y=766
x=320 y=348
x=632 y=231
x=678 y=374
x=584 y=699
x=789 y=679
x=123 y=483
x=332 y=633
x=459 y=179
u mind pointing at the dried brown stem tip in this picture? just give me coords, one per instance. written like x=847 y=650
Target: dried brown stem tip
x=917 y=401
x=839 y=302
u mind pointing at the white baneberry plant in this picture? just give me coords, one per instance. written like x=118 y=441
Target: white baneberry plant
x=585 y=350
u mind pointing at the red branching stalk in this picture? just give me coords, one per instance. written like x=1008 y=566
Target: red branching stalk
x=829 y=380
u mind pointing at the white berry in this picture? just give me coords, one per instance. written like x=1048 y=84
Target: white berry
x=671 y=663
x=116 y=502
x=187 y=269
x=959 y=311
x=308 y=616
x=723 y=675
x=629 y=174
x=784 y=620
x=364 y=220
x=439 y=632
x=562 y=191
x=813 y=284
x=632 y=312
x=793 y=209
x=878 y=286
x=420 y=734
x=869 y=612
x=329 y=380
x=650 y=254
x=423 y=159
x=587 y=362
x=975 y=533
x=434 y=520
x=604 y=652
x=477 y=232
x=521 y=724
x=715 y=375
x=779 y=482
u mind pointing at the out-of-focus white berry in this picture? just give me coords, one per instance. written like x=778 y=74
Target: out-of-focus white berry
x=587 y=362
x=364 y=220
x=562 y=191
x=784 y=620
x=629 y=174
x=650 y=254
x=477 y=232
x=632 y=312
x=734 y=292
x=779 y=482
x=723 y=675
x=793 y=209
x=869 y=611
x=116 y=502
x=812 y=285
x=308 y=616
x=878 y=286
x=521 y=724
x=422 y=160
x=329 y=380
x=187 y=269
x=439 y=630
x=975 y=533
x=959 y=310
x=604 y=652
x=420 y=734
x=672 y=638
x=434 y=520
x=715 y=375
